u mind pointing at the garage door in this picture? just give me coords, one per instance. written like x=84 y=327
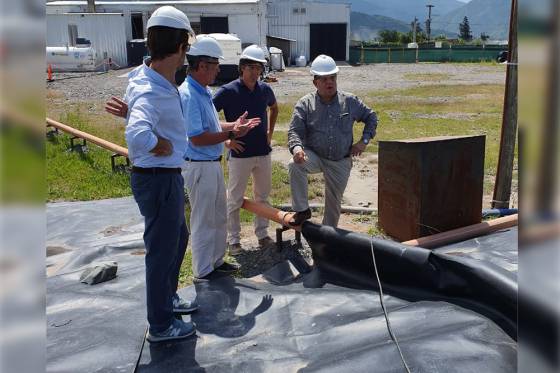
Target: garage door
x=329 y=39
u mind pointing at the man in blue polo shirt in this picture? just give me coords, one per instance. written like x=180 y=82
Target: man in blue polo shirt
x=204 y=179
x=250 y=154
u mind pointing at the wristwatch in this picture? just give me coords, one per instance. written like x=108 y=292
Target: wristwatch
x=231 y=135
x=365 y=140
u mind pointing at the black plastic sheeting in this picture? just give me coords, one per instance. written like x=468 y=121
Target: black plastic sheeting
x=99 y=327
x=249 y=326
x=416 y=273
x=451 y=312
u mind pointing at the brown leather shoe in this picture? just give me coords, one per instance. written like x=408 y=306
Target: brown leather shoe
x=299 y=217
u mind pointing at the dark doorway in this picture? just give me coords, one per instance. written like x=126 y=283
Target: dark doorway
x=137 y=26
x=329 y=39
x=210 y=25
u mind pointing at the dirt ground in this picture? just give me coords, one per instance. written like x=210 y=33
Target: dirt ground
x=294 y=82
x=291 y=85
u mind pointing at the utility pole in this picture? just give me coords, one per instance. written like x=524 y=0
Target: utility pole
x=502 y=186
x=414 y=29
x=429 y=21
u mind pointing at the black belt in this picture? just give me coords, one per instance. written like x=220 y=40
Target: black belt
x=156 y=170
x=204 y=160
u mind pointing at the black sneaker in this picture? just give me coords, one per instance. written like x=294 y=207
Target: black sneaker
x=299 y=217
x=227 y=267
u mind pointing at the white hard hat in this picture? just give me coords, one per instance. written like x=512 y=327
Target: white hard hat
x=206 y=46
x=253 y=53
x=323 y=65
x=170 y=17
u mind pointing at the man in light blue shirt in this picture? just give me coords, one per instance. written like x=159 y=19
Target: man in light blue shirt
x=204 y=179
x=156 y=139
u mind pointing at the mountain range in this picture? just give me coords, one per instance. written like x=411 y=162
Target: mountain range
x=367 y=27
x=488 y=16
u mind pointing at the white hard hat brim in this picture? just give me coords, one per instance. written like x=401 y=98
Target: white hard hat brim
x=323 y=73
x=168 y=22
x=243 y=57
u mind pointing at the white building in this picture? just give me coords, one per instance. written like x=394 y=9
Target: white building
x=314 y=27
x=317 y=27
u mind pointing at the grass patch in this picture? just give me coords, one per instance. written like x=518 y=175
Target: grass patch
x=82 y=176
x=426 y=77
x=440 y=110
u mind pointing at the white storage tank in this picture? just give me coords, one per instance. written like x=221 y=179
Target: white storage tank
x=72 y=58
x=276 y=59
x=301 y=61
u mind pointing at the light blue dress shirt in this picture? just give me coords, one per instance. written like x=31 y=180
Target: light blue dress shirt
x=155 y=110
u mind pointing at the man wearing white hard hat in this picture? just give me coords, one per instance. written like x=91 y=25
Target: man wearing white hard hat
x=156 y=139
x=204 y=179
x=320 y=139
x=250 y=154
x=206 y=134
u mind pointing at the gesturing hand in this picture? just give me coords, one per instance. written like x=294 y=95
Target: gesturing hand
x=235 y=145
x=117 y=107
x=243 y=125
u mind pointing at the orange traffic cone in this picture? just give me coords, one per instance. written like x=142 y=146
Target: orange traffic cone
x=49 y=73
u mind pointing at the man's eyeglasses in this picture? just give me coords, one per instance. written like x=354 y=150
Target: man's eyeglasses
x=210 y=62
x=255 y=67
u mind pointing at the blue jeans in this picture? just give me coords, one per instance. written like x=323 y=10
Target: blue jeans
x=161 y=200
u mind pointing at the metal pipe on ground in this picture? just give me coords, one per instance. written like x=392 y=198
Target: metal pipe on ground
x=88 y=137
x=461 y=234
x=269 y=212
x=344 y=208
x=439 y=239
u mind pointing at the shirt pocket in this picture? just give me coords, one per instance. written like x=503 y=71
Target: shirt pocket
x=346 y=123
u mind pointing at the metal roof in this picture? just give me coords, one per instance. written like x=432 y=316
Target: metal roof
x=157 y=2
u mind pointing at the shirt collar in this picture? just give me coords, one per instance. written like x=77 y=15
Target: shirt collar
x=157 y=77
x=240 y=82
x=198 y=87
x=334 y=99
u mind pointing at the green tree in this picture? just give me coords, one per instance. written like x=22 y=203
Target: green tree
x=405 y=38
x=484 y=37
x=389 y=36
x=465 y=30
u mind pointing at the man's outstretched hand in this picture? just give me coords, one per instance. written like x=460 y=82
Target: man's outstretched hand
x=117 y=107
x=243 y=125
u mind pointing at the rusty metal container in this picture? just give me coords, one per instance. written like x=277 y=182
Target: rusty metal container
x=430 y=185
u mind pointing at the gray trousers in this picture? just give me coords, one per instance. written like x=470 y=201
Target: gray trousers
x=336 y=175
x=205 y=186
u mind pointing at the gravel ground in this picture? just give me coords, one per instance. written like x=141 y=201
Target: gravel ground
x=294 y=82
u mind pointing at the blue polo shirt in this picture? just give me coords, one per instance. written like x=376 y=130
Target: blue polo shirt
x=234 y=99
x=200 y=116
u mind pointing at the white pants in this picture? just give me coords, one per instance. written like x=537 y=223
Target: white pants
x=336 y=175
x=205 y=186
x=240 y=169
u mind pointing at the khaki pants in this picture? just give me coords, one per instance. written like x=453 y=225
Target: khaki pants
x=205 y=186
x=240 y=169
x=336 y=175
